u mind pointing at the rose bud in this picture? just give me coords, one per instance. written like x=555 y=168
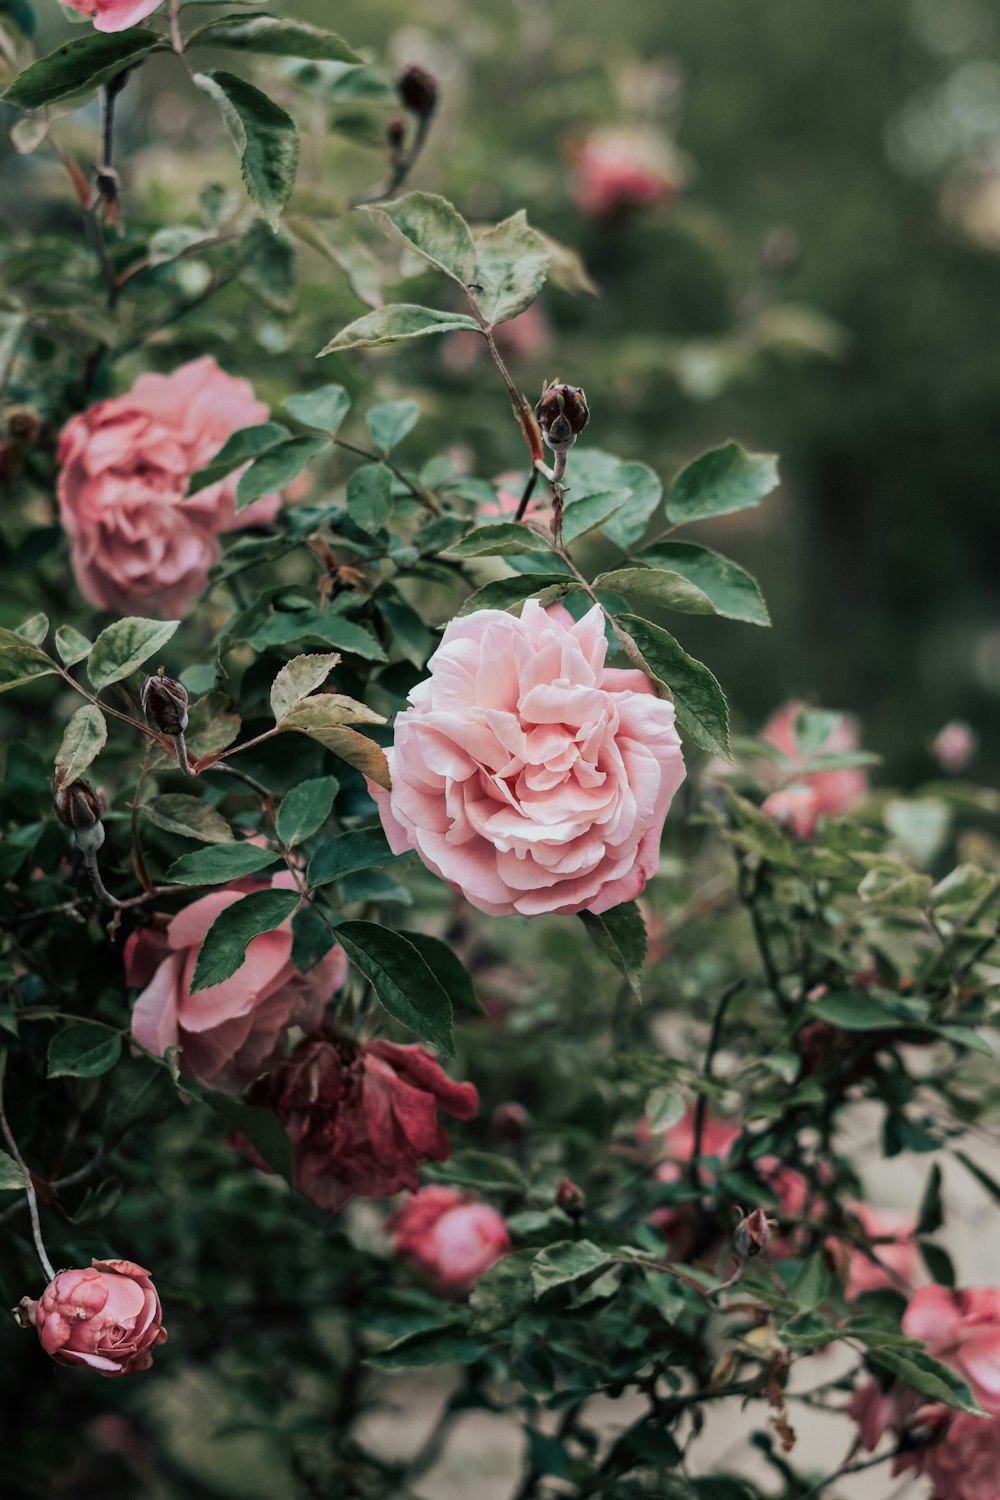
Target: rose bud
x=418 y=90
x=570 y=1198
x=562 y=415
x=79 y=807
x=395 y=132
x=751 y=1234
x=510 y=1121
x=24 y=425
x=108 y=1317
x=164 y=702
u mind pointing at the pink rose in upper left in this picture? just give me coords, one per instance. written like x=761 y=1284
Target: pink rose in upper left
x=138 y=545
x=452 y=1240
x=230 y=1033
x=113 y=15
x=528 y=775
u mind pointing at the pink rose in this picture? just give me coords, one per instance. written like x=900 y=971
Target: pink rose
x=138 y=545
x=963 y=1329
x=450 y=1239
x=954 y=746
x=964 y=1464
x=113 y=15
x=817 y=794
x=898 y=1262
x=875 y=1411
x=528 y=775
x=618 y=171
x=229 y=1033
x=510 y=488
x=362 y=1118
x=107 y=1317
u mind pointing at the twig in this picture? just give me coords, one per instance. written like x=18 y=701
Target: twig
x=849 y=1468
x=29 y=1191
x=701 y=1107
x=416 y=490
x=401 y=168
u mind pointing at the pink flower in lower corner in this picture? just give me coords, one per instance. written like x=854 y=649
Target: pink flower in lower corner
x=962 y=1328
x=228 y=1034
x=362 y=1118
x=528 y=775
x=896 y=1262
x=815 y=794
x=113 y=15
x=107 y=1317
x=452 y=1240
x=964 y=1464
x=138 y=545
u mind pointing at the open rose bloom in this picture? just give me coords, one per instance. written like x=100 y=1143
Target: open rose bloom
x=450 y=1239
x=527 y=774
x=362 y=1117
x=232 y=1031
x=139 y=547
x=619 y=170
x=812 y=795
x=113 y=15
x=107 y=1317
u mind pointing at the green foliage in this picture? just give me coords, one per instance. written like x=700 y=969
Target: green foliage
x=123 y=647
x=263 y=134
x=80 y=66
x=224 y=949
x=404 y=984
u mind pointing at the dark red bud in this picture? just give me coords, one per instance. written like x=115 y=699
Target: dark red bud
x=418 y=90
x=395 y=132
x=751 y=1234
x=164 y=702
x=78 y=806
x=570 y=1198
x=562 y=415
x=510 y=1121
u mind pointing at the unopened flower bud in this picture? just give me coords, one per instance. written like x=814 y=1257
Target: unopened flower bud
x=24 y=425
x=510 y=1121
x=570 y=1198
x=78 y=807
x=164 y=702
x=562 y=415
x=418 y=89
x=751 y=1234
x=395 y=132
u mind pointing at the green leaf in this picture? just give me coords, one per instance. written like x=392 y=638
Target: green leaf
x=124 y=646
x=34 y=629
x=448 y=1345
x=247 y=443
x=755 y=831
x=264 y=135
x=702 y=711
x=503 y=1293
x=587 y=513
x=332 y=629
x=982 y=1177
x=277 y=467
x=354 y=748
x=938 y=1262
x=369 y=497
x=503 y=592
x=620 y=934
x=856 y=1011
x=261 y=1127
x=71 y=645
x=645 y=492
x=664 y=1106
x=20 y=661
x=277 y=38
x=448 y=970
x=721 y=481
x=297 y=679
x=505 y=539
x=11 y=1176
x=83 y=1051
x=732 y=591
x=361 y=849
x=140 y=1091
x=430 y=225
x=328 y=711
x=220 y=863
x=658 y=586
x=402 y=981
x=83 y=63
x=931 y=1214
x=566 y=1261
x=85 y=737
x=305 y=809
x=483 y=1169
x=512 y=262
x=224 y=949
x=811 y=1283
x=175 y=812
x=312 y=939
x=928 y=1376
x=401 y=320
x=324 y=408
x=390 y=422
x=268 y=265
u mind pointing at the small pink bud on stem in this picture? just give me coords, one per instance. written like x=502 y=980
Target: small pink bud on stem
x=562 y=414
x=418 y=90
x=570 y=1198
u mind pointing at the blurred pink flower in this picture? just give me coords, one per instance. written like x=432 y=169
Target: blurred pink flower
x=962 y=1328
x=138 y=545
x=619 y=170
x=964 y=1462
x=898 y=1263
x=106 y=1316
x=817 y=794
x=452 y=1240
x=113 y=15
x=526 y=337
x=954 y=746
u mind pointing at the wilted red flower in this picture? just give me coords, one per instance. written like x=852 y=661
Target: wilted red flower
x=362 y=1117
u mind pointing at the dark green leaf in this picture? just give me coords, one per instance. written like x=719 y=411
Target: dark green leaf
x=982 y=1177
x=402 y=981
x=450 y=1344
x=219 y=864
x=620 y=933
x=264 y=135
x=931 y=1214
x=83 y=63
x=938 y=1262
x=83 y=1051
x=504 y=539
x=503 y=592
x=702 y=711
x=733 y=592
x=224 y=949
x=723 y=480
x=448 y=970
x=369 y=497
x=484 y=1170
x=312 y=939
x=565 y=1262
x=305 y=809
x=268 y=265
x=503 y=1293
x=644 y=493
x=360 y=849
x=276 y=468
x=658 y=586
x=260 y=1126
x=401 y=320
x=855 y=1011
x=189 y=817
x=20 y=661
x=277 y=38
x=124 y=646
x=326 y=626
x=248 y=442
x=928 y=1376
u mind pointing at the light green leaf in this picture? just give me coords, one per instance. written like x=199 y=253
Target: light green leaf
x=702 y=711
x=124 y=646
x=503 y=592
x=267 y=265
x=401 y=320
x=645 y=492
x=587 y=512
x=85 y=737
x=175 y=812
x=247 y=443
x=11 y=1176
x=390 y=422
x=505 y=539
x=83 y=1051
x=71 y=645
x=664 y=1106
x=277 y=467
x=811 y=1284
x=430 y=225
x=512 y=262
x=657 y=586
x=34 y=629
x=566 y=1261
x=733 y=592
x=20 y=661
x=220 y=864
x=298 y=678
x=369 y=497
x=721 y=481
x=305 y=809
x=224 y=949
x=277 y=38
x=928 y=1376
x=81 y=64
x=402 y=981
x=324 y=408
x=264 y=135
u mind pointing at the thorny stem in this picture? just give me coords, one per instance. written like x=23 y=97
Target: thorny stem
x=401 y=167
x=36 y=1227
